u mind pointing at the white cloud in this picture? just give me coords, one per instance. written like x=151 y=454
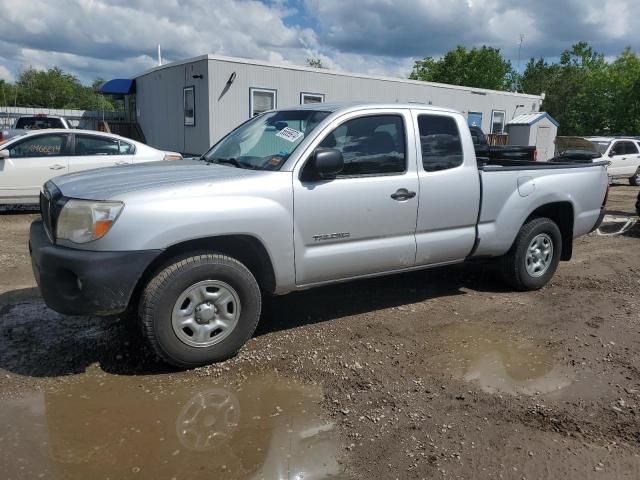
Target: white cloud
x=119 y=37
x=5 y=74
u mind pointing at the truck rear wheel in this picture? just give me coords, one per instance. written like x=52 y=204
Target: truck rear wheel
x=534 y=255
x=200 y=310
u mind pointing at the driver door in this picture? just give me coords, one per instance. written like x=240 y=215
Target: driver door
x=358 y=223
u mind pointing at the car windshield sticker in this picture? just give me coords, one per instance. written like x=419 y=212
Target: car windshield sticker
x=289 y=134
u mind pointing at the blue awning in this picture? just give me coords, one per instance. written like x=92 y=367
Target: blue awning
x=119 y=86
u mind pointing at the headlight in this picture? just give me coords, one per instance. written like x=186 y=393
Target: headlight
x=82 y=221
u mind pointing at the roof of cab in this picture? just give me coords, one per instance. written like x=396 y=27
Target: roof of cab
x=353 y=106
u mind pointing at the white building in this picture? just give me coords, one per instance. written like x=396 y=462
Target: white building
x=188 y=105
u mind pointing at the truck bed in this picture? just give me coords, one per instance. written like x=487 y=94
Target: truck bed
x=512 y=191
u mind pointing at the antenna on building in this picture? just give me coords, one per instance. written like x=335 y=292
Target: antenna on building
x=159 y=56
x=519 y=51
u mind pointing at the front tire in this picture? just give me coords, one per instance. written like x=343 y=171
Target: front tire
x=200 y=310
x=534 y=255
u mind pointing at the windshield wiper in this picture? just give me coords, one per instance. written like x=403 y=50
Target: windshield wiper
x=228 y=161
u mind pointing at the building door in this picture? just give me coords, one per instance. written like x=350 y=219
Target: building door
x=542 y=143
x=474 y=119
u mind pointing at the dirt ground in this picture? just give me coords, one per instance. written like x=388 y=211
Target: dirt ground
x=436 y=374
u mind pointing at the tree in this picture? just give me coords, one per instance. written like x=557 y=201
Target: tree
x=585 y=94
x=53 y=88
x=315 y=62
x=483 y=67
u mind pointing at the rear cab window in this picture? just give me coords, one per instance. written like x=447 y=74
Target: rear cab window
x=440 y=142
x=38 y=123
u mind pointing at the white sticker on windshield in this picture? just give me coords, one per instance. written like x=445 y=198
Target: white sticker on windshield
x=289 y=134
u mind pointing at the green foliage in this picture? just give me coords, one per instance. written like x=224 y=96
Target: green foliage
x=483 y=67
x=587 y=95
x=53 y=88
x=315 y=62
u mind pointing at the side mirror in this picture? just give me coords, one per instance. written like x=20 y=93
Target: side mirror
x=325 y=163
x=4 y=154
x=612 y=153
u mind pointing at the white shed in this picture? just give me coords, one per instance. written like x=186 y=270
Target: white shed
x=536 y=128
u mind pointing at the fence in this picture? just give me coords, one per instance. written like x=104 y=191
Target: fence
x=86 y=119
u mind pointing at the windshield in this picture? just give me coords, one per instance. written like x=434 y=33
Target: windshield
x=267 y=141
x=602 y=146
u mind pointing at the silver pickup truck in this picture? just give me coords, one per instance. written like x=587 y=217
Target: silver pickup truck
x=292 y=199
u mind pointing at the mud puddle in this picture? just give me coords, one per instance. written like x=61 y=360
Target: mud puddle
x=105 y=426
x=499 y=361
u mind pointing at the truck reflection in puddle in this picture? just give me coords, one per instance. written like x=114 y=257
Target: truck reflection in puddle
x=126 y=427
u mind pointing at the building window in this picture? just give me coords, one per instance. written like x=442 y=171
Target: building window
x=311 y=98
x=497 y=121
x=474 y=119
x=189 y=106
x=262 y=100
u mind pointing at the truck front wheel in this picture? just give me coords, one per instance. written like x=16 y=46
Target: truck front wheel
x=534 y=255
x=200 y=310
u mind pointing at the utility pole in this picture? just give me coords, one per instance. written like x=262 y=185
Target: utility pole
x=159 y=56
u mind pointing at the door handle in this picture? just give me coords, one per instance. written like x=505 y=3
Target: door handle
x=403 y=194
x=57 y=166
x=122 y=162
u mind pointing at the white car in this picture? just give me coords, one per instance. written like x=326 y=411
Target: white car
x=624 y=155
x=29 y=160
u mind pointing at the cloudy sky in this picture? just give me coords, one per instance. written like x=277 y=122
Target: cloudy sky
x=115 y=38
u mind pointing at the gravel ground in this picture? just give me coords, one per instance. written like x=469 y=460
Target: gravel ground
x=436 y=374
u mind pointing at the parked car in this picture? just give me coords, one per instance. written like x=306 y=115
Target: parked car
x=29 y=160
x=377 y=189
x=488 y=153
x=623 y=155
x=638 y=205
x=34 y=122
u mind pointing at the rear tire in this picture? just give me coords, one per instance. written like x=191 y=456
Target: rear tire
x=534 y=255
x=635 y=180
x=200 y=310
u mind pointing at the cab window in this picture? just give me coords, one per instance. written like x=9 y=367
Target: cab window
x=440 y=142
x=87 y=145
x=53 y=145
x=373 y=145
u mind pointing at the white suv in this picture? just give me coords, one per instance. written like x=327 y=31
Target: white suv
x=624 y=155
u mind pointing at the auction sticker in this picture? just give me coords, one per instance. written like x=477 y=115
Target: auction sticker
x=289 y=134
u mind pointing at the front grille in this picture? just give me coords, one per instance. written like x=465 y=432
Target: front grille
x=51 y=203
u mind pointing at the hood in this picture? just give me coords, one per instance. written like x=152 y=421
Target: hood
x=107 y=183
